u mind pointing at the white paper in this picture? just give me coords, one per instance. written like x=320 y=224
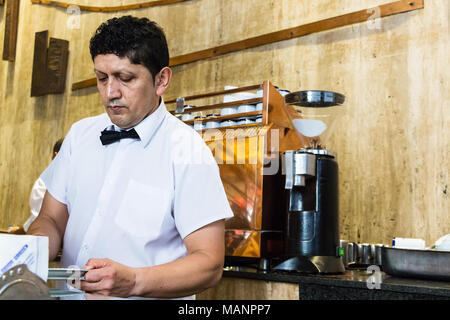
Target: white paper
x=408 y=243
x=24 y=249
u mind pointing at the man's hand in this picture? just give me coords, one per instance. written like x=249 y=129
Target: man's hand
x=108 y=278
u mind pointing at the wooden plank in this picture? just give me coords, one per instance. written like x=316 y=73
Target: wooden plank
x=286 y=34
x=11 y=25
x=84 y=84
x=108 y=9
x=220 y=118
x=224 y=105
x=216 y=93
x=39 y=75
x=57 y=57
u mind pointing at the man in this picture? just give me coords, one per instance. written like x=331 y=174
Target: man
x=144 y=222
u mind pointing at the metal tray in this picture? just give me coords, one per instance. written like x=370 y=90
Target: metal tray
x=414 y=263
x=65 y=273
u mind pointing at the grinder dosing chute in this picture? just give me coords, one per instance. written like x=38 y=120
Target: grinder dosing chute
x=312 y=234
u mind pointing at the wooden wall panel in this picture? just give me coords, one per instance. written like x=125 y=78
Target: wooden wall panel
x=246 y=289
x=11 y=24
x=392 y=141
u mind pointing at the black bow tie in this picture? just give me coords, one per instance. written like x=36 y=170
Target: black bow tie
x=110 y=136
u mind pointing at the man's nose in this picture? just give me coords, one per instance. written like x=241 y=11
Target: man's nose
x=113 y=89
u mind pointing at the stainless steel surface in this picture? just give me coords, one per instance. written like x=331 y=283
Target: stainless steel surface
x=304 y=164
x=366 y=254
x=18 y=283
x=359 y=253
x=323 y=152
x=288 y=168
x=377 y=254
x=315 y=98
x=66 y=273
x=415 y=263
x=298 y=165
x=351 y=253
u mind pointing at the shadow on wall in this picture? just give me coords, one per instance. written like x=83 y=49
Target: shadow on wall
x=49 y=107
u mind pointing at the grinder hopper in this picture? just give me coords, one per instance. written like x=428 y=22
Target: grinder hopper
x=315 y=116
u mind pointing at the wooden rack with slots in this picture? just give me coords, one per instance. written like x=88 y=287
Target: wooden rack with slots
x=274 y=112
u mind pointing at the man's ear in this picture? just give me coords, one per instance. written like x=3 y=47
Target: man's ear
x=162 y=80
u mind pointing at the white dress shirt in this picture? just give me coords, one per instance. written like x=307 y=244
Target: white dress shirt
x=133 y=201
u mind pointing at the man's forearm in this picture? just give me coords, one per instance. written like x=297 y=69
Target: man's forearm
x=44 y=226
x=183 y=277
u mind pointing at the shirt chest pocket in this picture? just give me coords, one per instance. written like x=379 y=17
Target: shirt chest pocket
x=142 y=210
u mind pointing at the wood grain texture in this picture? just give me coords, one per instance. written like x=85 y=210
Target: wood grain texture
x=286 y=34
x=39 y=75
x=57 y=58
x=11 y=25
x=393 y=140
x=49 y=65
x=108 y=9
x=246 y=289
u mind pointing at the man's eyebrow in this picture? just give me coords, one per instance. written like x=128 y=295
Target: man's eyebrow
x=117 y=73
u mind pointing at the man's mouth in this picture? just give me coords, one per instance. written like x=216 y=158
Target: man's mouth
x=115 y=108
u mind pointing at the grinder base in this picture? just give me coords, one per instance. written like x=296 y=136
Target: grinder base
x=312 y=264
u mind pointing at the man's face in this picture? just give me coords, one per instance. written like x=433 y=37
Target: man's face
x=127 y=90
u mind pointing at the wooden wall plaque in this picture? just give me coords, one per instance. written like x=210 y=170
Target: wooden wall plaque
x=57 y=57
x=11 y=24
x=49 y=65
x=38 y=77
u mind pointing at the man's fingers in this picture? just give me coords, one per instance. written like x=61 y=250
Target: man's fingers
x=96 y=263
x=94 y=275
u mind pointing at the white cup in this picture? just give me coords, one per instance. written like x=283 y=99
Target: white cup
x=228 y=111
x=198 y=125
x=212 y=124
x=187 y=116
x=246 y=108
x=227 y=123
x=245 y=121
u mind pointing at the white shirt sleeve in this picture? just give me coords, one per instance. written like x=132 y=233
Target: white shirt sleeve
x=55 y=176
x=200 y=198
x=36 y=197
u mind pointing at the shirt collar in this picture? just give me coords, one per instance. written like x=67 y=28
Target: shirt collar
x=147 y=127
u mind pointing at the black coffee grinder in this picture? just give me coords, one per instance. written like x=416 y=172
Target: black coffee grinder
x=312 y=235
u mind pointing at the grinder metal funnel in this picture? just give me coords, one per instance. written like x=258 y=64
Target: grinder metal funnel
x=312 y=234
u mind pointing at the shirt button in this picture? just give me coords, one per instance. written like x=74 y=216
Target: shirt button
x=85 y=247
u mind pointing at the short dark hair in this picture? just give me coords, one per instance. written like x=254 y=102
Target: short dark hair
x=139 y=39
x=57 y=145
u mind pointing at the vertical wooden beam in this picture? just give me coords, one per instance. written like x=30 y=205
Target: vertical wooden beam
x=11 y=24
